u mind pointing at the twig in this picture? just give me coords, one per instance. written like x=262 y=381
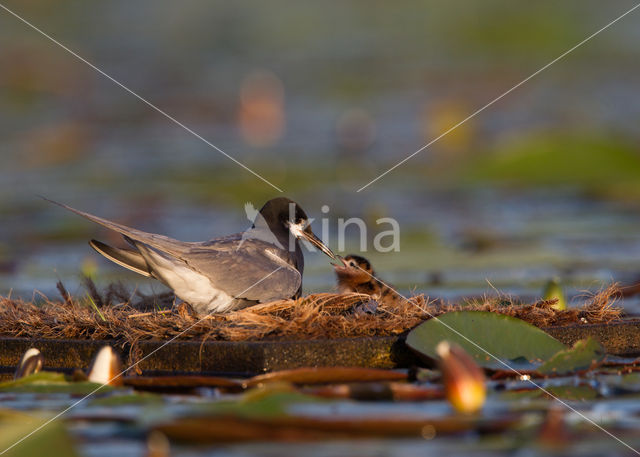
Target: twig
x=152 y=313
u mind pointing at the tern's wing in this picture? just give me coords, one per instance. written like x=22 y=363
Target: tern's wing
x=159 y=242
x=249 y=270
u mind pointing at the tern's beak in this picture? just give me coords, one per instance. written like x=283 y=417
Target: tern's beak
x=305 y=233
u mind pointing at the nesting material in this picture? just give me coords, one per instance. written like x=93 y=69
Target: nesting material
x=316 y=316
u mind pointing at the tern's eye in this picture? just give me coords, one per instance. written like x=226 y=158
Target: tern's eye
x=352 y=263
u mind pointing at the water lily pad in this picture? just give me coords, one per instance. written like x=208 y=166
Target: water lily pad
x=486 y=336
x=127 y=399
x=52 y=440
x=49 y=382
x=581 y=356
x=563 y=392
x=324 y=375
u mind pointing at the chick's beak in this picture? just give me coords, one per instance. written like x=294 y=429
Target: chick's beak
x=350 y=274
x=341 y=265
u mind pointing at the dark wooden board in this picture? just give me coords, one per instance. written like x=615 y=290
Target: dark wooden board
x=254 y=357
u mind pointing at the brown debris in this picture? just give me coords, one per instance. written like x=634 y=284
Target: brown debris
x=316 y=316
x=292 y=428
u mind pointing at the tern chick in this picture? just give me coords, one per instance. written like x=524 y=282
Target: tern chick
x=356 y=275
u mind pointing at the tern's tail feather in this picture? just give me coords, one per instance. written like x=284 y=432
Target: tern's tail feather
x=159 y=242
x=125 y=257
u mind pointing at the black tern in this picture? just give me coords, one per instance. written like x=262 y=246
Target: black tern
x=264 y=263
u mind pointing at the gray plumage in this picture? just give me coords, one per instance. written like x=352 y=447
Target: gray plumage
x=224 y=273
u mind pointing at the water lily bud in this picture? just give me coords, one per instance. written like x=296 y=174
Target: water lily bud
x=105 y=367
x=463 y=379
x=158 y=445
x=31 y=363
x=553 y=291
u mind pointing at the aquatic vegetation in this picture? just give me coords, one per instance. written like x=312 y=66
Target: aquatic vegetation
x=327 y=403
x=106 y=368
x=553 y=291
x=603 y=163
x=346 y=403
x=493 y=340
x=47 y=382
x=583 y=355
x=53 y=440
x=464 y=381
x=503 y=343
x=31 y=363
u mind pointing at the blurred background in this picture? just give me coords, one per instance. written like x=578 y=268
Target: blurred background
x=320 y=100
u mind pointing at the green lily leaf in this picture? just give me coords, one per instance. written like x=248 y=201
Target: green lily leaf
x=568 y=392
x=581 y=356
x=270 y=400
x=518 y=344
x=50 y=382
x=52 y=440
x=136 y=398
x=271 y=404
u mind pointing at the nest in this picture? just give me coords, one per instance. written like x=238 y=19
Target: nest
x=316 y=316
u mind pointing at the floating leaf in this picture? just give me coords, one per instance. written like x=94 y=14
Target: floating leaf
x=52 y=440
x=266 y=402
x=127 y=399
x=568 y=392
x=581 y=356
x=515 y=342
x=50 y=382
x=262 y=391
x=323 y=375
